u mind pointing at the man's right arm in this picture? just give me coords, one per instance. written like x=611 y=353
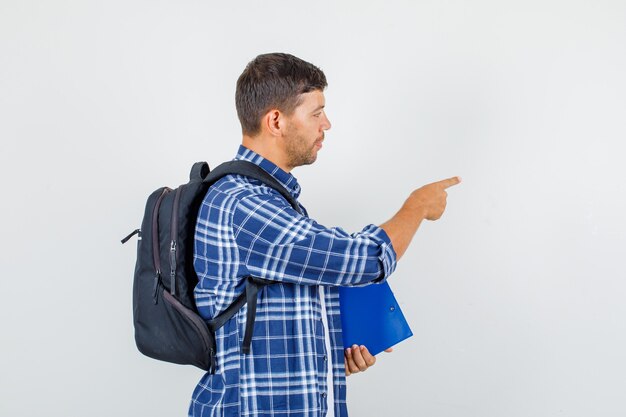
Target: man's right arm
x=427 y=202
x=277 y=243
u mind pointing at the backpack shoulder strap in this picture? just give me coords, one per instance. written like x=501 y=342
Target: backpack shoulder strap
x=252 y=288
x=248 y=296
x=251 y=170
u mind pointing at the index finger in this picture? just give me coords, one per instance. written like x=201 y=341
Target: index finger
x=449 y=182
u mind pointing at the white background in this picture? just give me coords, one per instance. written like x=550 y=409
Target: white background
x=516 y=296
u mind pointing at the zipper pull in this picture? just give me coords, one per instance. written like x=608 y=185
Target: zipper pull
x=155 y=291
x=133 y=233
x=173 y=268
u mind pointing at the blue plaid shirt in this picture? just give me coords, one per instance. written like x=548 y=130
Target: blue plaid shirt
x=246 y=228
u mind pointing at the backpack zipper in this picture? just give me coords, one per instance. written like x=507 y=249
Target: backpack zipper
x=155 y=244
x=174 y=231
x=194 y=318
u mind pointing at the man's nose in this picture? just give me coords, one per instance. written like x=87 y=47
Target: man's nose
x=327 y=124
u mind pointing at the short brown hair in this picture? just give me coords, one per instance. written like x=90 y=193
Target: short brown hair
x=273 y=80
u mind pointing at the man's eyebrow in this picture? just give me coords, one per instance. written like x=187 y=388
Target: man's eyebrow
x=318 y=108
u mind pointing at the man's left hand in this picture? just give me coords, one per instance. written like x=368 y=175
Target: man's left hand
x=358 y=359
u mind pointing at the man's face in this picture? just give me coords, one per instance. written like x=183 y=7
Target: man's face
x=304 y=132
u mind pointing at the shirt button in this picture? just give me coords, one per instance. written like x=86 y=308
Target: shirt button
x=325 y=358
x=323 y=395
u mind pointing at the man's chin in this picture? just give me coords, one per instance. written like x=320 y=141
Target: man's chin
x=308 y=160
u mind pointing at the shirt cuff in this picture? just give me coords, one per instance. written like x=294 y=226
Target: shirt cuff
x=387 y=254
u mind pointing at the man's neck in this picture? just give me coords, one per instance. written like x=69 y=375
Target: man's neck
x=268 y=148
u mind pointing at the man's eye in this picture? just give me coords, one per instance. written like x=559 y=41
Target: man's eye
x=317 y=114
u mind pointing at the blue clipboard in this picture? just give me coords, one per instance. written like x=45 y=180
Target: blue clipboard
x=371 y=316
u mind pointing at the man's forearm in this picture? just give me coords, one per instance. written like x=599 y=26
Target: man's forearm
x=402 y=227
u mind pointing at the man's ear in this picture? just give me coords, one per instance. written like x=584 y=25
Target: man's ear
x=273 y=122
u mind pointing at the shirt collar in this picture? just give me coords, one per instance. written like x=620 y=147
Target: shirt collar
x=284 y=178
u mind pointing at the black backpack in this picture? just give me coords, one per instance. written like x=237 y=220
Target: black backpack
x=167 y=324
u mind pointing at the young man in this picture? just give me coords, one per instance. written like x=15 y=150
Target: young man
x=296 y=366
